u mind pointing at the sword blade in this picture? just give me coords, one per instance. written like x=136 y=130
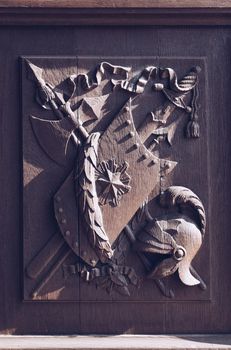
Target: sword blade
x=44 y=256
x=63 y=256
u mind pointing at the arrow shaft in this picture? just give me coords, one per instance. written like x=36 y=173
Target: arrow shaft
x=55 y=109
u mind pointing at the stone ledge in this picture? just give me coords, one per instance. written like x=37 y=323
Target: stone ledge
x=131 y=342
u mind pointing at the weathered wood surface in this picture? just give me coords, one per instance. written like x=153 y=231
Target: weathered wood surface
x=116 y=143
x=145 y=342
x=115 y=317
x=69 y=13
x=117 y=3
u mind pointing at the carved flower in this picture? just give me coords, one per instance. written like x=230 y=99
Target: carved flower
x=112 y=182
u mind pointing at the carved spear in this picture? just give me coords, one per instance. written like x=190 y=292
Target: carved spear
x=54 y=135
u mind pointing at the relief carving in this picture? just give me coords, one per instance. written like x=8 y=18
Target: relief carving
x=102 y=207
x=177 y=236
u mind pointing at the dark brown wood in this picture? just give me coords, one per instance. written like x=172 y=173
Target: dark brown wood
x=117 y=4
x=116 y=149
x=206 y=170
x=115 y=16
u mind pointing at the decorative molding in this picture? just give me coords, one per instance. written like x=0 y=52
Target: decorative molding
x=119 y=4
x=70 y=16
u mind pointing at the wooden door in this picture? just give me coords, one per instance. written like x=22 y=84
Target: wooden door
x=115 y=179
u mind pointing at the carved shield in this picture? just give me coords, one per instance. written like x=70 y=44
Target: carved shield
x=114 y=175
x=122 y=143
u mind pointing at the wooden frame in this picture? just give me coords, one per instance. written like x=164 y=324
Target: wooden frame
x=121 y=12
x=215 y=13
x=117 y=4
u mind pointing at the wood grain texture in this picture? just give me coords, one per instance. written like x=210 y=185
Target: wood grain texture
x=117 y=3
x=70 y=318
x=126 y=16
x=125 y=151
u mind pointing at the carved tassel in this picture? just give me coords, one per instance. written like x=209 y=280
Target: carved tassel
x=193 y=127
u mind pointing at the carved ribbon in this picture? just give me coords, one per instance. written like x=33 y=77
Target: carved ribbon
x=176 y=92
x=184 y=85
x=187 y=84
x=107 y=276
x=120 y=77
x=89 y=82
x=137 y=84
x=89 y=108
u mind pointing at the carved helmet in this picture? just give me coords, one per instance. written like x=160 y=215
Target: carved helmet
x=176 y=238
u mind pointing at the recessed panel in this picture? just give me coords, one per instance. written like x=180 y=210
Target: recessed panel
x=115 y=179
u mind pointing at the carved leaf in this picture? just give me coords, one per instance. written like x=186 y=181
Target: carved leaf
x=118 y=279
x=122 y=290
x=87 y=197
x=121 y=247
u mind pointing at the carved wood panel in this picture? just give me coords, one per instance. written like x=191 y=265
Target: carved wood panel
x=113 y=208
x=70 y=305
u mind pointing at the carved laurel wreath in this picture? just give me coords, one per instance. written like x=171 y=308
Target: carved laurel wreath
x=88 y=199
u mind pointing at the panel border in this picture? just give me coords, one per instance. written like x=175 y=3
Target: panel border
x=124 y=13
